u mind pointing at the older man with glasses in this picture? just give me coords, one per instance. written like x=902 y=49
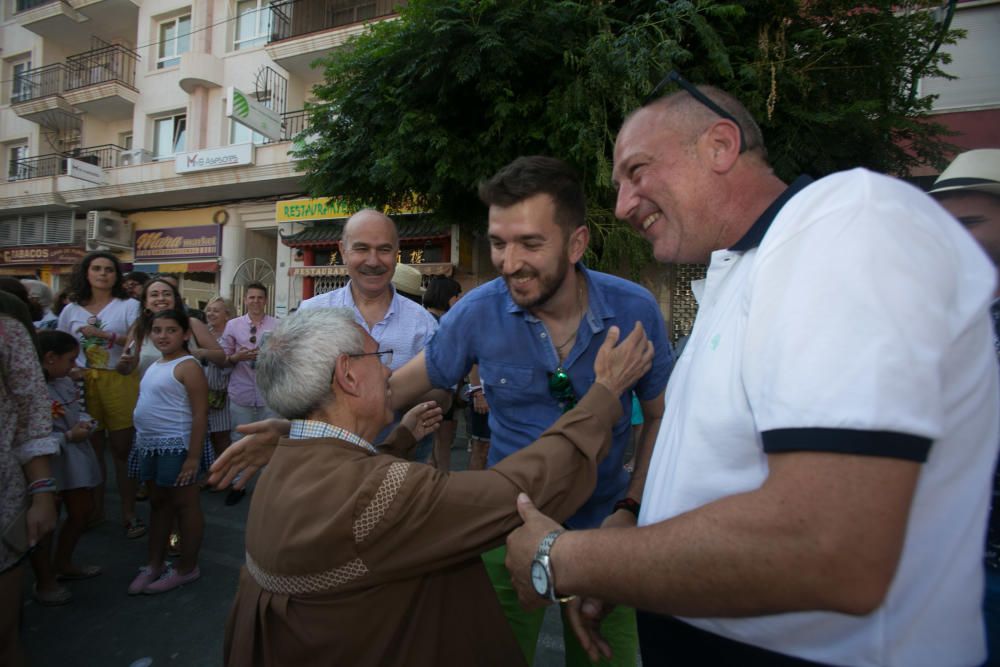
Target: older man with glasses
x=357 y=556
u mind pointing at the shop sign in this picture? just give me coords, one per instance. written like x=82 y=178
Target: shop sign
x=247 y=111
x=156 y=245
x=214 y=158
x=86 y=171
x=42 y=255
x=323 y=208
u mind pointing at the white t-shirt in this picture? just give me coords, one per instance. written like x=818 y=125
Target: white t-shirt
x=865 y=308
x=115 y=317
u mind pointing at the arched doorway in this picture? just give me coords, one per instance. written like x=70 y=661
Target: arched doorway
x=253 y=270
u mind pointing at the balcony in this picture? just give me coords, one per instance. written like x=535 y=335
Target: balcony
x=303 y=30
x=60 y=20
x=54 y=164
x=100 y=82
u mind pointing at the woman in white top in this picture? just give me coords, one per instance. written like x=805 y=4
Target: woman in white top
x=218 y=311
x=99 y=315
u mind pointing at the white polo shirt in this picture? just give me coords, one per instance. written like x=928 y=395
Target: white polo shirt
x=865 y=308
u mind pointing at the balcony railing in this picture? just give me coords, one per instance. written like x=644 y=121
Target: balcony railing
x=111 y=63
x=40 y=82
x=294 y=122
x=25 y=5
x=301 y=17
x=54 y=164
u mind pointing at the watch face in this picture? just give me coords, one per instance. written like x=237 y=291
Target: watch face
x=539 y=578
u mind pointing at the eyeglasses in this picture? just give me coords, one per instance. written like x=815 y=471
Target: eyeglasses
x=561 y=389
x=674 y=77
x=253 y=334
x=385 y=356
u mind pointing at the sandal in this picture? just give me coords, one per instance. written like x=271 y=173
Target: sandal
x=80 y=573
x=134 y=528
x=54 y=598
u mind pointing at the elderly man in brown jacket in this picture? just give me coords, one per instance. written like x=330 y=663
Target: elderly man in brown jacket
x=356 y=556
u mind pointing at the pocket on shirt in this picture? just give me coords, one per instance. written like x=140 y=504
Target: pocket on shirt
x=505 y=382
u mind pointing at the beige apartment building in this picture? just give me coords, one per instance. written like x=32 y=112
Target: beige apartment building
x=161 y=130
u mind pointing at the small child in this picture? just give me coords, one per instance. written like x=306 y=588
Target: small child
x=171 y=423
x=75 y=469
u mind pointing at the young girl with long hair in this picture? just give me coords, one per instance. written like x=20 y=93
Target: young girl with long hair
x=171 y=421
x=75 y=469
x=99 y=315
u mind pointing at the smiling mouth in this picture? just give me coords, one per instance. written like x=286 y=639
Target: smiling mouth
x=649 y=220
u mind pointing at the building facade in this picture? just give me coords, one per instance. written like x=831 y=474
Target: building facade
x=139 y=125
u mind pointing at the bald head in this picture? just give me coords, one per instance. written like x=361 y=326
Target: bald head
x=368 y=218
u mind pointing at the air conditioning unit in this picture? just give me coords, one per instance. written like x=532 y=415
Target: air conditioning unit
x=134 y=156
x=108 y=230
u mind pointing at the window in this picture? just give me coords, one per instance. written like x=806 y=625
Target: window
x=241 y=134
x=20 y=85
x=17 y=169
x=175 y=39
x=125 y=140
x=168 y=136
x=253 y=23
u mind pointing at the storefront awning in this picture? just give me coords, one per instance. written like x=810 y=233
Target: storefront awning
x=327 y=234
x=429 y=269
x=179 y=267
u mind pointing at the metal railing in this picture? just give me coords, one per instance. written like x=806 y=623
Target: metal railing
x=301 y=17
x=54 y=164
x=40 y=82
x=111 y=63
x=294 y=122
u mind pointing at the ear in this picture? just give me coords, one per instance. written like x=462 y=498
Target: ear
x=721 y=145
x=345 y=377
x=343 y=252
x=578 y=240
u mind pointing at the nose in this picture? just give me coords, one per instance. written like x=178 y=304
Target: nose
x=511 y=259
x=625 y=202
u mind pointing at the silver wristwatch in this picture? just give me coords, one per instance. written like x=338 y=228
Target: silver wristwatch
x=541 y=569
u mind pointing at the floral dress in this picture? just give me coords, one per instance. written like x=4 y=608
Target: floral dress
x=26 y=426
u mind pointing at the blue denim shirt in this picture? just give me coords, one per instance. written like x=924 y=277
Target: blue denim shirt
x=516 y=356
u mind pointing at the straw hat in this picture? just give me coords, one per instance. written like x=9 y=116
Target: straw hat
x=407 y=279
x=977 y=171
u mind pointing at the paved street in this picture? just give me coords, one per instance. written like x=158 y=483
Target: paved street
x=104 y=627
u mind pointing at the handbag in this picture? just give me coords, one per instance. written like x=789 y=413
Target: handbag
x=218 y=399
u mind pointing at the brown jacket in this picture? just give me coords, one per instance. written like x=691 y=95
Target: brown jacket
x=357 y=559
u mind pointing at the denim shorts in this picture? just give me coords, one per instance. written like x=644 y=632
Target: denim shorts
x=163 y=469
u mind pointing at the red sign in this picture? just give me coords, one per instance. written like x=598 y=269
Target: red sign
x=41 y=254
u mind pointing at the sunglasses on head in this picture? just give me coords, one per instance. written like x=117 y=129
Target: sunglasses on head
x=674 y=77
x=561 y=389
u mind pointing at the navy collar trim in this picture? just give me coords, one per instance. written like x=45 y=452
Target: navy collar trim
x=756 y=233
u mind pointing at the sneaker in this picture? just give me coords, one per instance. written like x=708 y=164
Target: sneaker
x=135 y=528
x=172 y=579
x=53 y=598
x=146 y=577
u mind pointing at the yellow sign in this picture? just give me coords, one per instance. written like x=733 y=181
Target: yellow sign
x=323 y=208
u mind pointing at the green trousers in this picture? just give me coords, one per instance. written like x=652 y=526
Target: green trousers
x=619 y=628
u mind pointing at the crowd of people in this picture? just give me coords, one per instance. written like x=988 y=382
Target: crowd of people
x=811 y=479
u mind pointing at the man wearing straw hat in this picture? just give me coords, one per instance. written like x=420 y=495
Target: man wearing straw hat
x=970 y=190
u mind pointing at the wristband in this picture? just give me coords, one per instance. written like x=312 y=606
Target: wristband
x=43 y=485
x=628 y=504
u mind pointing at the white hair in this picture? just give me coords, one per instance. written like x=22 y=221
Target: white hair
x=297 y=361
x=39 y=290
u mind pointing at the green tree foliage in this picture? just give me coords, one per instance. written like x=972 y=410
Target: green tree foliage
x=419 y=110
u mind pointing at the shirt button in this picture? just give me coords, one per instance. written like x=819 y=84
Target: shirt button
x=543 y=334
x=503 y=380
